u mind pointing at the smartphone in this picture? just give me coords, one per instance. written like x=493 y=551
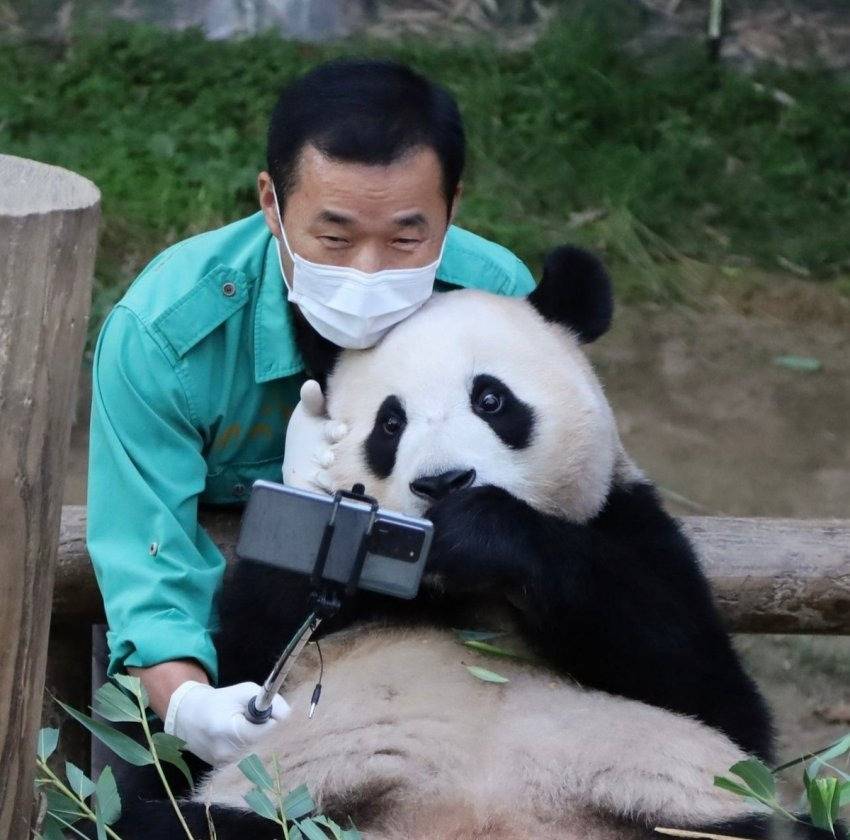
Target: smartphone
x=283 y=526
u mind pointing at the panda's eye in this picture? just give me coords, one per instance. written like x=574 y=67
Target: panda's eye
x=490 y=402
x=392 y=425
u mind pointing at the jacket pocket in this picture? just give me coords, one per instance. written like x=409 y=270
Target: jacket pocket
x=231 y=483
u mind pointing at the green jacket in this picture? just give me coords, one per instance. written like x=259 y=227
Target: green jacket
x=195 y=375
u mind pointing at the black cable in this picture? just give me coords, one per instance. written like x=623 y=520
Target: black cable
x=317 y=691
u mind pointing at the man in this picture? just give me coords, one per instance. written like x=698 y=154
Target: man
x=198 y=367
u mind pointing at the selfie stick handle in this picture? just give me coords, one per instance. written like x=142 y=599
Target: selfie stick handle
x=325 y=604
x=260 y=707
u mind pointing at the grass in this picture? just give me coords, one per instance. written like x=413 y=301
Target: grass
x=680 y=158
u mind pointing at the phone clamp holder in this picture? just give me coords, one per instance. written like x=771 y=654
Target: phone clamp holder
x=325 y=602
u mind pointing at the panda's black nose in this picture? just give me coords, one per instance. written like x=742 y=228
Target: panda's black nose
x=439 y=486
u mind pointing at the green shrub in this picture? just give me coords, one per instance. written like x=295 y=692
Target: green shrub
x=671 y=155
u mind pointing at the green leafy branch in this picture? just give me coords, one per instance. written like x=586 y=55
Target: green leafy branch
x=826 y=795
x=294 y=812
x=67 y=802
x=115 y=706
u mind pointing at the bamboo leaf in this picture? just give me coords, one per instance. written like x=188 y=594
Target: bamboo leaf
x=100 y=823
x=697 y=835
x=805 y=364
x=169 y=749
x=111 y=703
x=298 y=803
x=732 y=786
x=122 y=745
x=757 y=776
x=79 y=782
x=492 y=650
x=61 y=805
x=51 y=829
x=485 y=675
x=837 y=749
x=134 y=686
x=478 y=635
x=820 y=793
x=261 y=805
x=330 y=825
x=48 y=738
x=845 y=747
x=254 y=770
x=106 y=794
x=311 y=830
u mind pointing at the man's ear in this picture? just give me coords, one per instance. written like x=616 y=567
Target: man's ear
x=455 y=202
x=575 y=291
x=265 y=195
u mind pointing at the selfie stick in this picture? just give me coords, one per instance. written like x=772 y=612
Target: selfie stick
x=324 y=603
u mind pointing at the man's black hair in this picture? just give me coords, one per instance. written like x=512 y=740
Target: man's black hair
x=364 y=111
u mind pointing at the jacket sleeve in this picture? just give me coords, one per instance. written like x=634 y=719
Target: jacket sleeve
x=158 y=571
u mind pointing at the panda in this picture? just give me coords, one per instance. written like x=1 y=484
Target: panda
x=624 y=696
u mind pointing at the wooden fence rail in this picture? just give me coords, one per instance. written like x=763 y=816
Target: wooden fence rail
x=768 y=575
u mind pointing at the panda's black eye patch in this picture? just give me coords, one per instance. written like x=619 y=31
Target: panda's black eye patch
x=507 y=415
x=382 y=444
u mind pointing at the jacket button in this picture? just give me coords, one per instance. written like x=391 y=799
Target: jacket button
x=229 y=289
x=239 y=489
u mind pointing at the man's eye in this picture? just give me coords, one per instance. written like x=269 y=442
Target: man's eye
x=333 y=239
x=408 y=241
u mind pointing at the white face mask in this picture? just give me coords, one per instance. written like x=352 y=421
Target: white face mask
x=355 y=308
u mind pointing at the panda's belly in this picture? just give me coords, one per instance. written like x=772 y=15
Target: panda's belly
x=405 y=733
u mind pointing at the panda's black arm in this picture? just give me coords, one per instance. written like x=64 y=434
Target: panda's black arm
x=620 y=603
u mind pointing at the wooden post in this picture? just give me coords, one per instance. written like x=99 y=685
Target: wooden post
x=48 y=237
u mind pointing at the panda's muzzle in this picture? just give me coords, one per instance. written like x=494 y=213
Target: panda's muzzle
x=435 y=487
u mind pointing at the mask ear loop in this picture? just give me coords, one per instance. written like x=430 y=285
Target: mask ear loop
x=283 y=238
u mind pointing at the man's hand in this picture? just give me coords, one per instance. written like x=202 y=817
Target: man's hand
x=310 y=437
x=211 y=720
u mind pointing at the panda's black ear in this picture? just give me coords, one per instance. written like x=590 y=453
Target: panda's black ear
x=575 y=291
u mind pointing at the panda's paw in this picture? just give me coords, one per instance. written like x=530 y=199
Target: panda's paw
x=478 y=542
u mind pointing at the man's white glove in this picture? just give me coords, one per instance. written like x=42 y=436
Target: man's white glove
x=310 y=436
x=211 y=720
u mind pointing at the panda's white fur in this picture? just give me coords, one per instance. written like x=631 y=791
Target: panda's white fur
x=405 y=738
x=431 y=360
x=404 y=729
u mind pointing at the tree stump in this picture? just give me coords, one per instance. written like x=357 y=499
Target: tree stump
x=48 y=238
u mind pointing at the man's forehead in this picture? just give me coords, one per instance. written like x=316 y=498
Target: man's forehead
x=404 y=218
x=404 y=191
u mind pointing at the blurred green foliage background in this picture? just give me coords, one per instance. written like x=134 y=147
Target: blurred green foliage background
x=656 y=159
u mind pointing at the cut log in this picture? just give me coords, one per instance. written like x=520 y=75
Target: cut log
x=48 y=235
x=768 y=575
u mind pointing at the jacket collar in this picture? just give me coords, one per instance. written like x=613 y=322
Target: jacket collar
x=275 y=352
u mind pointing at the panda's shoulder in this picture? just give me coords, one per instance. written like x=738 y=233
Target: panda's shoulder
x=473 y=262
x=629 y=502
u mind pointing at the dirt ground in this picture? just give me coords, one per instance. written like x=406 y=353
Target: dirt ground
x=723 y=428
